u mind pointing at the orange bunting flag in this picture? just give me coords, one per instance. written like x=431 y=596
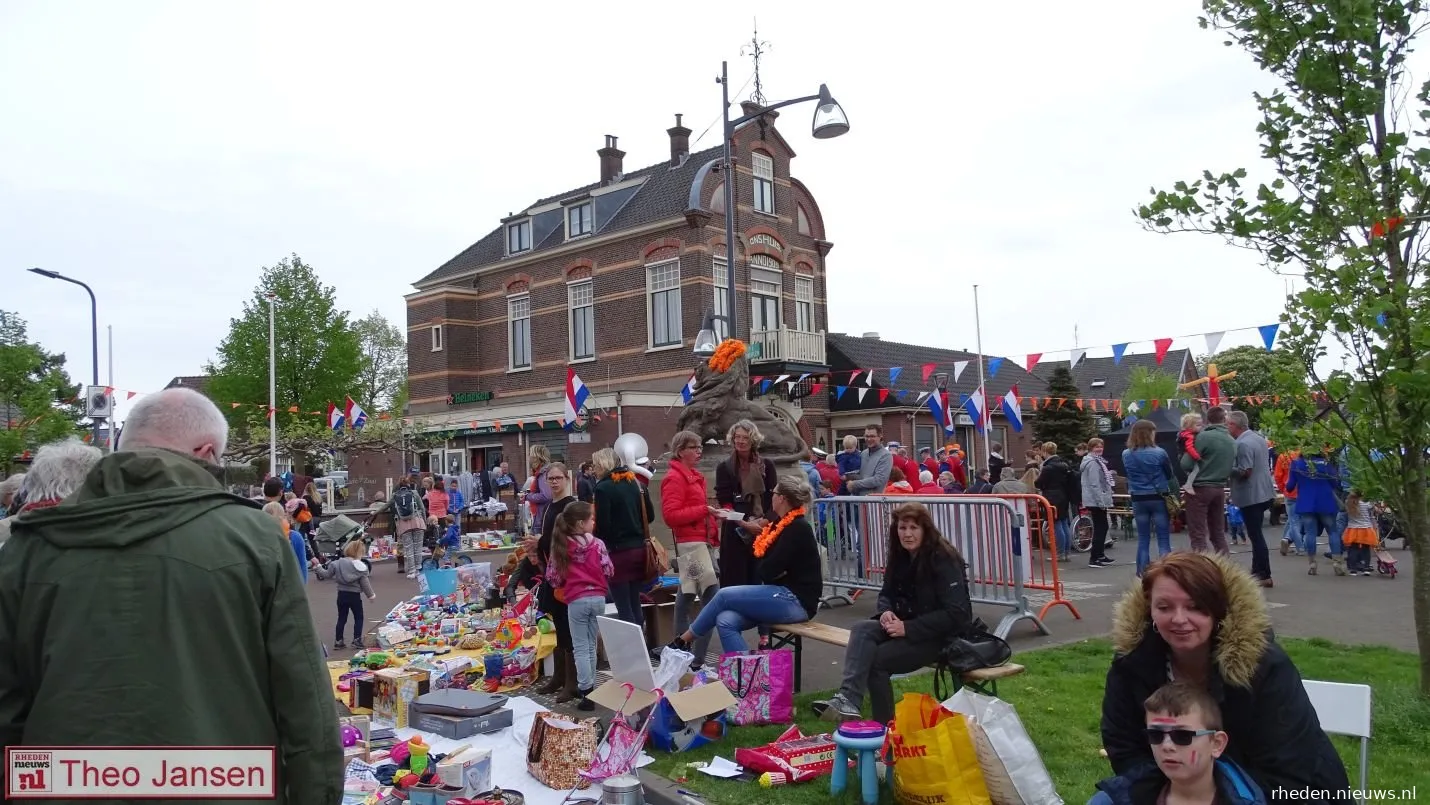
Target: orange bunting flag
x=1079 y=404
x=235 y=405
x=292 y=409
x=1062 y=400
x=496 y=424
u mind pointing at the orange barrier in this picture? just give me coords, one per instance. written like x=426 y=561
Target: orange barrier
x=1041 y=543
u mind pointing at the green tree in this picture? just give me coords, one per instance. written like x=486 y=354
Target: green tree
x=318 y=357
x=1063 y=422
x=1259 y=373
x=1145 y=385
x=37 y=400
x=384 y=361
x=1346 y=137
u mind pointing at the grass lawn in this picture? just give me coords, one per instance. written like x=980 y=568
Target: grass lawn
x=1059 y=700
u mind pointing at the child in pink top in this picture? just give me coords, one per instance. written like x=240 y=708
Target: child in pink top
x=580 y=569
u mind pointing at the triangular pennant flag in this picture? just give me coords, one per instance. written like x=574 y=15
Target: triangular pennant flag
x=862 y=392
x=1079 y=403
x=472 y=424
x=1117 y=351
x=958 y=367
x=1214 y=341
x=1062 y=400
x=1033 y=358
x=839 y=391
x=1156 y=403
x=292 y=409
x=854 y=376
x=1162 y=345
x=883 y=395
x=1268 y=335
x=993 y=364
x=804 y=377
x=235 y=405
x=596 y=417
x=496 y=424
x=928 y=370
x=815 y=388
x=869 y=378
x=764 y=386
x=130 y=395
x=521 y=424
x=782 y=378
x=894 y=374
x=923 y=395
x=1075 y=357
x=791 y=385
x=900 y=394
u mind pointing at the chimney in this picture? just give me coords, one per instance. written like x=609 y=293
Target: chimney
x=874 y=336
x=679 y=143
x=611 y=157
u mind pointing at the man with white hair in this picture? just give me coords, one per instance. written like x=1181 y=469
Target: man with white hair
x=153 y=608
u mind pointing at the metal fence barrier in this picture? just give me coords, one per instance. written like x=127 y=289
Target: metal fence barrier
x=989 y=531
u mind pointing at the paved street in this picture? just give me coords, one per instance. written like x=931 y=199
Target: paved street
x=1346 y=609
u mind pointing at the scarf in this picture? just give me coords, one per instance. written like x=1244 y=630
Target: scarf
x=752 y=484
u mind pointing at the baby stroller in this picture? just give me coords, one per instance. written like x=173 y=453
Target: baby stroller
x=340 y=531
x=621 y=747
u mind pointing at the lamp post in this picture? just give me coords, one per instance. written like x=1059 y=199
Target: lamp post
x=93 y=330
x=829 y=121
x=272 y=394
x=706 y=341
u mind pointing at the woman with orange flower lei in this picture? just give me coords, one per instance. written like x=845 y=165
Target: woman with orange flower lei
x=787 y=565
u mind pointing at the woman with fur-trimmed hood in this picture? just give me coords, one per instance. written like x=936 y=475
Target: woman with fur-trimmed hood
x=1201 y=618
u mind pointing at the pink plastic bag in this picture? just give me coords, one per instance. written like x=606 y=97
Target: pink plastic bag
x=763 y=685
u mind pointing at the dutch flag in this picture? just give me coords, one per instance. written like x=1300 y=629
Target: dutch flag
x=977 y=408
x=576 y=394
x=1013 y=409
x=936 y=407
x=335 y=417
x=688 y=390
x=355 y=415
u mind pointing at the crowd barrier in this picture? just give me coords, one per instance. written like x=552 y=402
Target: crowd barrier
x=992 y=533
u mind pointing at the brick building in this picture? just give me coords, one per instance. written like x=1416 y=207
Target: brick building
x=614 y=279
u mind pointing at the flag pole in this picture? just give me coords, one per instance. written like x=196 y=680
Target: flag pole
x=983 y=412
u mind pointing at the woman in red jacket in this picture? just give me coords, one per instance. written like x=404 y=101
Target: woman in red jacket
x=686 y=508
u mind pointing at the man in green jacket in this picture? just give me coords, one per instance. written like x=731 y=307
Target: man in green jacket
x=152 y=608
x=1206 y=505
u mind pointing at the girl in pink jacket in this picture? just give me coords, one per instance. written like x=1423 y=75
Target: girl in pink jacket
x=580 y=569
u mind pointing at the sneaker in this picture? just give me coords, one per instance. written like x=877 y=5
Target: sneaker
x=338 y=644
x=836 y=708
x=1107 y=560
x=1312 y=571
x=412 y=575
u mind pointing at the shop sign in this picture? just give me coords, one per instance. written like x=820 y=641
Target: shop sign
x=469 y=397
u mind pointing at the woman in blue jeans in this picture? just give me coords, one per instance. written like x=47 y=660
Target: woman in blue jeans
x=787 y=565
x=1149 y=478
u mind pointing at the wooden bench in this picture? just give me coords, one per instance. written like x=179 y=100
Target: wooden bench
x=983 y=680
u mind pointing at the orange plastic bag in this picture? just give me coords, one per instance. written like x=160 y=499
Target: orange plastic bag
x=934 y=759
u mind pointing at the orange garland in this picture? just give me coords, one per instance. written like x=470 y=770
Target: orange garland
x=623 y=476
x=772 y=532
x=725 y=356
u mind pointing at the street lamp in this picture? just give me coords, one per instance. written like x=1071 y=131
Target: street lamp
x=272 y=394
x=829 y=121
x=707 y=341
x=94 y=336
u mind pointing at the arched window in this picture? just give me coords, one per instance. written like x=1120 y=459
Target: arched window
x=766 y=284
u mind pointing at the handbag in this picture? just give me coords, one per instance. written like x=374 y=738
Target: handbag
x=762 y=683
x=979 y=648
x=656 y=559
x=559 y=749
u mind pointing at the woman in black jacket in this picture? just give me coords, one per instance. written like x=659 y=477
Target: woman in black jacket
x=745 y=483
x=787 y=565
x=1055 y=481
x=623 y=517
x=1201 y=618
x=563 y=681
x=923 y=606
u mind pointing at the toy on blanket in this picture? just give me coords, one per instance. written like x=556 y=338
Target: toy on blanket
x=796 y=756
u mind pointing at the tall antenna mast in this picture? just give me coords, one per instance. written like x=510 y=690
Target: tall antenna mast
x=1075 y=341
x=756 y=50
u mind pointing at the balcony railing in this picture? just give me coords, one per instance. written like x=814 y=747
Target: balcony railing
x=786 y=345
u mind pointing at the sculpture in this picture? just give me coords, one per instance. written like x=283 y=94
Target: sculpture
x=1213 y=383
x=720 y=400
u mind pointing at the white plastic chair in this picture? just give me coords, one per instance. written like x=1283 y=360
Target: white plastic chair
x=1344 y=709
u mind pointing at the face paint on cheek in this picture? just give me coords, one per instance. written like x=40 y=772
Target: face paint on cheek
x=1194 y=757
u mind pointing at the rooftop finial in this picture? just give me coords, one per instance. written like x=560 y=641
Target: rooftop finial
x=756 y=49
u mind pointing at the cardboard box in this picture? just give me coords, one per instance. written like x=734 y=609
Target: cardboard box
x=470 y=769
x=630 y=663
x=458 y=727
x=394 y=690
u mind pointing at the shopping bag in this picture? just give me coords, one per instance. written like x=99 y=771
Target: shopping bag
x=559 y=749
x=762 y=683
x=1012 y=768
x=934 y=759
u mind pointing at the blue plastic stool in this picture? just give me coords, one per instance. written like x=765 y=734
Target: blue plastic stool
x=866 y=738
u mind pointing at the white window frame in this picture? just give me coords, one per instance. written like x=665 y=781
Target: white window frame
x=804 y=303
x=674 y=339
x=518 y=309
x=763 y=270
x=516 y=227
x=437 y=340
x=590 y=220
x=581 y=298
x=720 y=278
x=763 y=168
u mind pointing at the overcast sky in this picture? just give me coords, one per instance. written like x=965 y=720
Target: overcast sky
x=164 y=151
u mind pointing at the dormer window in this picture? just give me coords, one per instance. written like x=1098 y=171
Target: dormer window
x=1098 y=383
x=518 y=237
x=578 y=220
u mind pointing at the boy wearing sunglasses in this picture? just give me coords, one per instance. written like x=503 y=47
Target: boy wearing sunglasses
x=1184 y=728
